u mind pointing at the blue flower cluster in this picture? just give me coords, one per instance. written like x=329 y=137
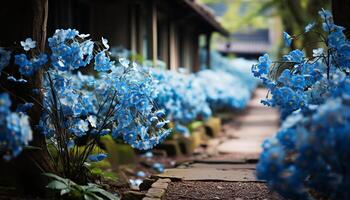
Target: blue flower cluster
x=183 y=98
x=28 y=67
x=5 y=57
x=189 y=97
x=117 y=101
x=309 y=156
x=15 y=129
x=311 y=151
x=231 y=82
x=70 y=50
x=297 y=81
x=224 y=91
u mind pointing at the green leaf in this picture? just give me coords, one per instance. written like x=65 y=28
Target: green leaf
x=64 y=191
x=32 y=148
x=66 y=181
x=106 y=194
x=54 y=176
x=57 y=185
x=92 y=196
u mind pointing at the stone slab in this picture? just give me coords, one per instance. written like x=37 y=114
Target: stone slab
x=156 y=193
x=252 y=131
x=223 y=166
x=198 y=174
x=160 y=185
x=240 y=146
x=232 y=158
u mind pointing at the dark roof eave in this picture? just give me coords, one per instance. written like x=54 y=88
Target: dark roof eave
x=208 y=17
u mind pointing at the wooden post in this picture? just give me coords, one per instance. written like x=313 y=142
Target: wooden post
x=154 y=44
x=207 y=49
x=173 y=54
x=196 y=63
x=132 y=24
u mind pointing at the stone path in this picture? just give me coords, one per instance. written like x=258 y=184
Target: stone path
x=249 y=130
x=229 y=171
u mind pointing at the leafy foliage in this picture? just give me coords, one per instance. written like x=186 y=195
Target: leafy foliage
x=71 y=190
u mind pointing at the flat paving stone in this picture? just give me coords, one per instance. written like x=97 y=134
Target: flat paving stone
x=155 y=193
x=240 y=146
x=205 y=174
x=270 y=118
x=231 y=158
x=222 y=166
x=252 y=132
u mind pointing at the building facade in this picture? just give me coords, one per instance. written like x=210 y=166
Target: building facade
x=155 y=29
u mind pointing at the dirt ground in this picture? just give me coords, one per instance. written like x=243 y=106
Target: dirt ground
x=210 y=190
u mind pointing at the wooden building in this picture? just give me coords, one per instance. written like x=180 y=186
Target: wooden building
x=156 y=29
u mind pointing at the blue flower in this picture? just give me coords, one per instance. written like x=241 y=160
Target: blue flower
x=309 y=27
x=24 y=107
x=39 y=61
x=285 y=77
x=16 y=131
x=298 y=82
x=27 y=70
x=28 y=44
x=102 y=62
x=182 y=130
x=158 y=167
x=141 y=174
x=97 y=157
x=5 y=103
x=296 y=56
x=80 y=128
x=161 y=124
x=311 y=149
x=21 y=60
x=263 y=67
x=287 y=39
x=5 y=57
x=105 y=43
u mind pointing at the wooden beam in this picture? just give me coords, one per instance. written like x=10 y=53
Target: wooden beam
x=196 y=63
x=133 y=32
x=154 y=38
x=173 y=53
x=208 y=49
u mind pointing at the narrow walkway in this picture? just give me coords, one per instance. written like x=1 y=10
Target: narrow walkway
x=248 y=130
x=229 y=171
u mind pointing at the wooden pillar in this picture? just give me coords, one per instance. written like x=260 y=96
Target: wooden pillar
x=207 y=49
x=164 y=42
x=154 y=44
x=133 y=32
x=196 y=63
x=173 y=53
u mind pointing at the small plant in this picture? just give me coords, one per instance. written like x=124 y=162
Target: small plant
x=70 y=190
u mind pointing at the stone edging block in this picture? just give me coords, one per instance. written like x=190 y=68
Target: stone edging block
x=158 y=189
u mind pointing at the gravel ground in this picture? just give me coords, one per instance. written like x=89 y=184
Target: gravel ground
x=210 y=190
